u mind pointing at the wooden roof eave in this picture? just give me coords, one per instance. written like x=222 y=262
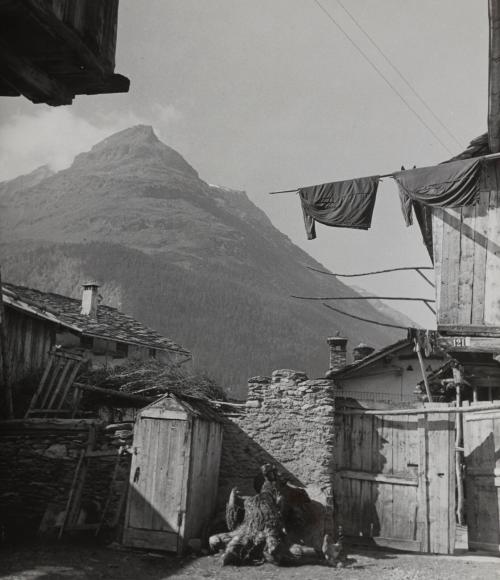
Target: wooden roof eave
x=46 y=313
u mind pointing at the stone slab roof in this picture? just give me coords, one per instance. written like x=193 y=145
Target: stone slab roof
x=111 y=324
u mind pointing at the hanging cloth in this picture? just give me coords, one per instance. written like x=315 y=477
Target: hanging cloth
x=341 y=204
x=452 y=184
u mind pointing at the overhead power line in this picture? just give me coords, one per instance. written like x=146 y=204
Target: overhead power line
x=384 y=77
x=399 y=73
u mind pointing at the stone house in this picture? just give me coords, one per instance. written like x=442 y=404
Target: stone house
x=391 y=373
x=37 y=321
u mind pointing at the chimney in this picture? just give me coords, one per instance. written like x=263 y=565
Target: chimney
x=338 y=352
x=361 y=351
x=90 y=299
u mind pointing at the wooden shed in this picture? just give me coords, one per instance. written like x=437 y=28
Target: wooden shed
x=174 y=474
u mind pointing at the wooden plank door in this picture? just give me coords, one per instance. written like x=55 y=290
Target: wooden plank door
x=482 y=479
x=394 y=480
x=157 y=492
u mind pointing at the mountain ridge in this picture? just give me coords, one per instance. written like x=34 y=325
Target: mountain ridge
x=200 y=263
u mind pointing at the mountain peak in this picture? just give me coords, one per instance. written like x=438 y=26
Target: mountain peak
x=138 y=147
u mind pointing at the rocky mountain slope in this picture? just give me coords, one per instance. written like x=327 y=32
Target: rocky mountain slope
x=199 y=263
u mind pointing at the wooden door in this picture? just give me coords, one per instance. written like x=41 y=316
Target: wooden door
x=395 y=483
x=482 y=479
x=157 y=492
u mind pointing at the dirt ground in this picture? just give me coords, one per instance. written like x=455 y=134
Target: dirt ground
x=68 y=561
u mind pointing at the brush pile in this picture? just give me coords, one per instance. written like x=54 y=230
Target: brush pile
x=150 y=379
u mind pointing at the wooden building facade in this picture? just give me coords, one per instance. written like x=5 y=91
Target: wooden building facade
x=467 y=262
x=37 y=321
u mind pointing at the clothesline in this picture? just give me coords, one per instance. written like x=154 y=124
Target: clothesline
x=415 y=268
x=491 y=156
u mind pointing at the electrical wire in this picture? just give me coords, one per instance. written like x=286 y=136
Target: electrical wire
x=370 y=273
x=363 y=298
x=365 y=319
x=381 y=74
x=399 y=73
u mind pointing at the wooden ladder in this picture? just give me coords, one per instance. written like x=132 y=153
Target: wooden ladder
x=73 y=504
x=50 y=398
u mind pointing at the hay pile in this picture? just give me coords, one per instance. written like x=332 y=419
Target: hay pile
x=152 y=378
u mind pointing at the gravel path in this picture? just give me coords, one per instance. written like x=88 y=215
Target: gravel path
x=90 y=562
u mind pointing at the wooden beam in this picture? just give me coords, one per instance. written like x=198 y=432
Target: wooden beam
x=31 y=81
x=468 y=330
x=485 y=344
x=42 y=13
x=111 y=393
x=5 y=369
x=48 y=424
x=421 y=411
x=494 y=76
x=379 y=477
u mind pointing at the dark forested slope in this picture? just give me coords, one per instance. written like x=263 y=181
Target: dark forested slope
x=201 y=264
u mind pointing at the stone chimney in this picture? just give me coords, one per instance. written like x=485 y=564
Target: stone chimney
x=338 y=352
x=361 y=351
x=90 y=299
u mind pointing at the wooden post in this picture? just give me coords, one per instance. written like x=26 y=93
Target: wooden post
x=422 y=368
x=5 y=360
x=457 y=377
x=494 y=76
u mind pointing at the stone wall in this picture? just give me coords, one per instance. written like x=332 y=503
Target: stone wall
x=38 y=459
x=292 y=426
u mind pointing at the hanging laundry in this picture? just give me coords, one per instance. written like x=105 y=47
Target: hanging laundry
x=342 y=204
x=452 y=184
x=423 y=214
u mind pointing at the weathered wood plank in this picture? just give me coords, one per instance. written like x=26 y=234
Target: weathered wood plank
x=437 y=242
x=470 y=344
x=480 y=252
x=492 y=277
x=367 y=476
x=482 y=453
x=466 y=265
x=441 y=453
x=150 y=539
x=453 y=249
x=423 y=487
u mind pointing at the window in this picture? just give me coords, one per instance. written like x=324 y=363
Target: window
x=122 y=349
x=152 y=353
x=87 y=342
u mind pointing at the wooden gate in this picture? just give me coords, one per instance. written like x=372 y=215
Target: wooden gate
x=482 y=478
x=395 y=478
x=157 y=483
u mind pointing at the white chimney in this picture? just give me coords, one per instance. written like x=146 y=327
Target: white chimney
x=90 y=299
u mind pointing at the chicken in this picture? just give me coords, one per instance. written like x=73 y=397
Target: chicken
x=334 y=552
x=235 y=510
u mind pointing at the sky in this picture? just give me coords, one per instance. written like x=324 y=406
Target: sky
x=262 y=96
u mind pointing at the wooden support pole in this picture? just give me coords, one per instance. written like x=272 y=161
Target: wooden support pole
x=113 y=393
x=9 y=406
x=494 y=76
x=458 y=378
x=420 y=411
x=422 y=368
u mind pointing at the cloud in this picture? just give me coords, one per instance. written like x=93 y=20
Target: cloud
x=53 y=136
